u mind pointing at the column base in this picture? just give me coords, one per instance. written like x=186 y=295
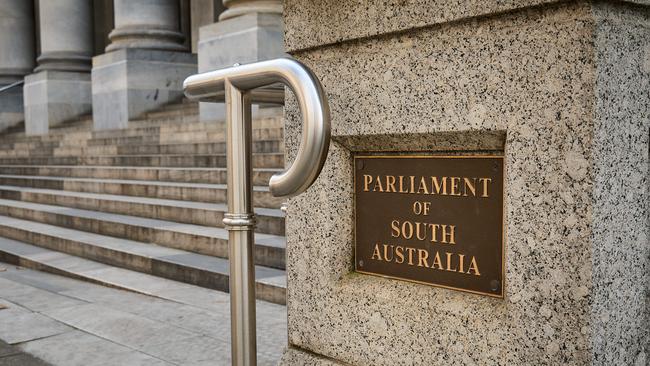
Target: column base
x=11 y=107
x=53 y=97
x=243 y=39
x=129 y=82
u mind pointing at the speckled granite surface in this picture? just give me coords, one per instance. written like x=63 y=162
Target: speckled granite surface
x=315 y=23
x=620 y=169
x=302 y=358
x=565 y=87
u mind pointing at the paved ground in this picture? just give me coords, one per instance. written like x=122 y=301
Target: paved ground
x=13 y=356
x=68 y=322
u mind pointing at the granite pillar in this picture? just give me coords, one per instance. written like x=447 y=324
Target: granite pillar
x=144 y=66
x=59 y=90
x=16 y=56
x=562 y=91
x=247 y=31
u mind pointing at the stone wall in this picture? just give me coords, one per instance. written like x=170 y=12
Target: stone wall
x=562 y=91
x=620 y=163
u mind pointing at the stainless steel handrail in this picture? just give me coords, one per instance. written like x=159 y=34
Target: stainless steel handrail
x=238 y=85
x=313 y=105
x=12 y=85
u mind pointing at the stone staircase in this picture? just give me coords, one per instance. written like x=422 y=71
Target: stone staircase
x=147 y=199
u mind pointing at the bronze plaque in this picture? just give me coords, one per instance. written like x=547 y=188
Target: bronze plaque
x=435 y=220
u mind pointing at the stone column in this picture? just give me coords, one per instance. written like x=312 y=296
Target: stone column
x=145 y=64
x=59 y=90
x=237 y=8
x=247 y=31
x=146 y=24
x=16 y=56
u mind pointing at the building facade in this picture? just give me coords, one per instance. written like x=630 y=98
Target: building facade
x=556 y=92
x=119 y=59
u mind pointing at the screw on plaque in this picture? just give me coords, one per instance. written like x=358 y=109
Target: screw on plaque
x=494 y=285
x=495 y=167
x=361 y=263
x=360 y=164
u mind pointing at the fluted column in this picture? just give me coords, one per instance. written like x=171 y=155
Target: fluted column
x=146 y=24
x=16 y=56
x=144 y=66
x=247 y=31
x=66 y=35
x=59 y=88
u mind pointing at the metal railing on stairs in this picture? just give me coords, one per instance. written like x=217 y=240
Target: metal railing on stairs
x=12 y=85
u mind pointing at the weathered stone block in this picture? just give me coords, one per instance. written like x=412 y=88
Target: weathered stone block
x=53 y=97
x=562 y=90
x=243 y=39
x=129 y=82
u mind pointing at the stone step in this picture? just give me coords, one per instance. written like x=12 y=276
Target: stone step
x=185 y=137
x=199 y=192
x=173 y=116
x=170 y=111
x=260 y=146
x=269 y=249
x=185 y=105
x=142 y=128
x=21 y=152
x=146 y=137
x=28 y=145
x=70 y=252
x=265 y=160
x=53 y=136
x=83 y=135
x=261 y=176
x=177 y=110
x=148 y=126
x=85 y=129
x=269 y=221
x=151 y=128
x=79 y=124
x=17 y=129
x=45 y=260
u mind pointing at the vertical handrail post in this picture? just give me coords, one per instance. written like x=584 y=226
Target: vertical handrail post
x=240 y=223
x=236 y=85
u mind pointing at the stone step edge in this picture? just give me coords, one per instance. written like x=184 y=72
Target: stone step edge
x=99 y=156
x=268 y=160
x=218 y=207
x=136 y=130
x=128 y=182
x=219 y=169
x=193 y=192
x=198 y=175
x=117 y=168
x=17 y=258
x=163 y=144
x=269 y=249
x=266 y=288
x=207 y=214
